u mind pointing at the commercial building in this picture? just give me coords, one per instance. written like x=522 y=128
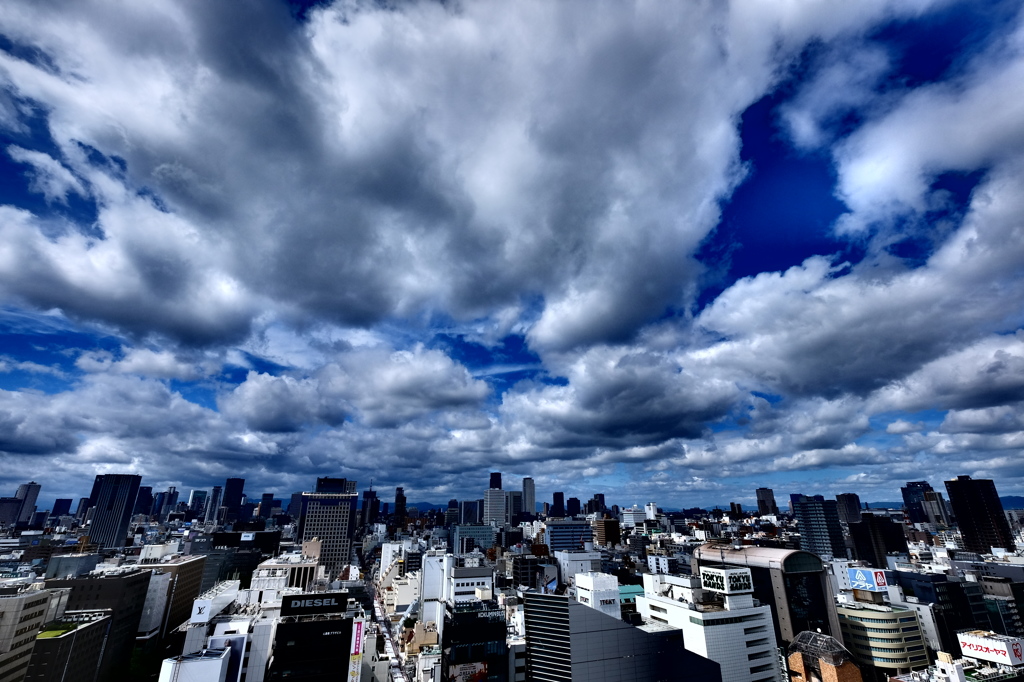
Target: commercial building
x=113 y=500
x=793 y=583
x=473 y=641
x=567 y=534
x=874 y=537
x=567 y=641
x=607 y=532
x=913 y=496
x=28 y=493
x=848 y=506
x=719 y=619
x=495 y=507
x=979 y=514
x=884 y=636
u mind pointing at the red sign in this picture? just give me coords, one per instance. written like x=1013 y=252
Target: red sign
x=880 y=578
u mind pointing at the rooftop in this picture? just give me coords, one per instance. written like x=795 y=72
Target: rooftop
x=56 y=630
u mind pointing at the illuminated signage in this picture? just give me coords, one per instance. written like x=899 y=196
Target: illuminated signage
x=869 y=579
x=355 y=658
x=1007 y=650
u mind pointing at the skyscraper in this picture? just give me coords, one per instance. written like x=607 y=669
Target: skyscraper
x=766 y=502
x=113 y=497
x=28 y=493
x=213 y=505
x=913 y=495
x=529 y=497
x=496 y=510
x=874 y=537
x=197 y=502
x=144 y=502
x=61 y=508
x=400 y=505
x=557 y=505
x=330 y=517
x=371 y=508
x=495 y=480
x=979 y=514
x=848 y=505
x=233 y=490
x=819 y=527
x=572 y=506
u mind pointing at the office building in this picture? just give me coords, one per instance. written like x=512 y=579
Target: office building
x=529 y=497
x=234 y=490
x=470 y=511
x=496 y=507
x=10 y=509
x=936 y=509
x=21 y=617
x=820 y=531
x=123 y=591
x=979 y=514
x=766 y=502
x=557 y=510
x=61 y=507
x=599 y=591
x=69 y=648
x=370 y=509
x=473 y=641
x=607 y=532
x=875 y=537
x=113 y=499
x=913 y=496
x=793 y=583
x=716 y=612
x=213 y=505
x=572 y=507
x=567 y=534
x=197 y=502
x=318 y=638
x=144 y=501
x=467 y=537
x=331 y=518
x=495 y=482
x=568 y=641
x=848 y=506
x=400 y=506
x=28 y=493
x=814 y=656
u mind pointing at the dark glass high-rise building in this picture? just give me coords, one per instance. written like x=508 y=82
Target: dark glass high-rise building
x=495 y=480
x=874 y=537
x=572 y=506
x=28 y=493
x=61 y=508
x=766 y=502
x=234 y=489
x=557 y=506
x=144 y=502
x=848 y=505
x=979 y=514
x=913 y=496
x=113 y=497
x=371 y=508
x=400 y=504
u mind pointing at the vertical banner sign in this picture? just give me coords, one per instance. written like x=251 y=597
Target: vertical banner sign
x=355 y=658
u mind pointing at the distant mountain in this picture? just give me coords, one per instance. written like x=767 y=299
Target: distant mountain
x=886 y=505
x=1012 y=502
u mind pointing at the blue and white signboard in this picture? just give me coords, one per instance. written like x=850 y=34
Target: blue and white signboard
x=870 y=579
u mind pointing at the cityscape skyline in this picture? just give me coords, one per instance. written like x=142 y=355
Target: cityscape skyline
x=663 y=253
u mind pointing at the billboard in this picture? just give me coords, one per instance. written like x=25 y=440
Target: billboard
x=869 y=579
x=355 y=657
x=726 y=580
x=467 y=672
x=994 y=648
x=310 y=604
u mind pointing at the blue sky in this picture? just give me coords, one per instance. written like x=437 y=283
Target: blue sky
x=667 y=255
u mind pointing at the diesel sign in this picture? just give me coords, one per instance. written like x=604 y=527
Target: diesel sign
x=302 y=604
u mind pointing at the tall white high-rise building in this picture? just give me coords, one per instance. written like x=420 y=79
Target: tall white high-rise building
x=529 y=496
x=651 y=511
x=495 y=507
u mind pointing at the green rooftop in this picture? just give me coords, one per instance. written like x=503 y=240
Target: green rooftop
x=56 y=630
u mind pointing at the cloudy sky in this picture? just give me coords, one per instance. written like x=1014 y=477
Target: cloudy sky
x=667 y=251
